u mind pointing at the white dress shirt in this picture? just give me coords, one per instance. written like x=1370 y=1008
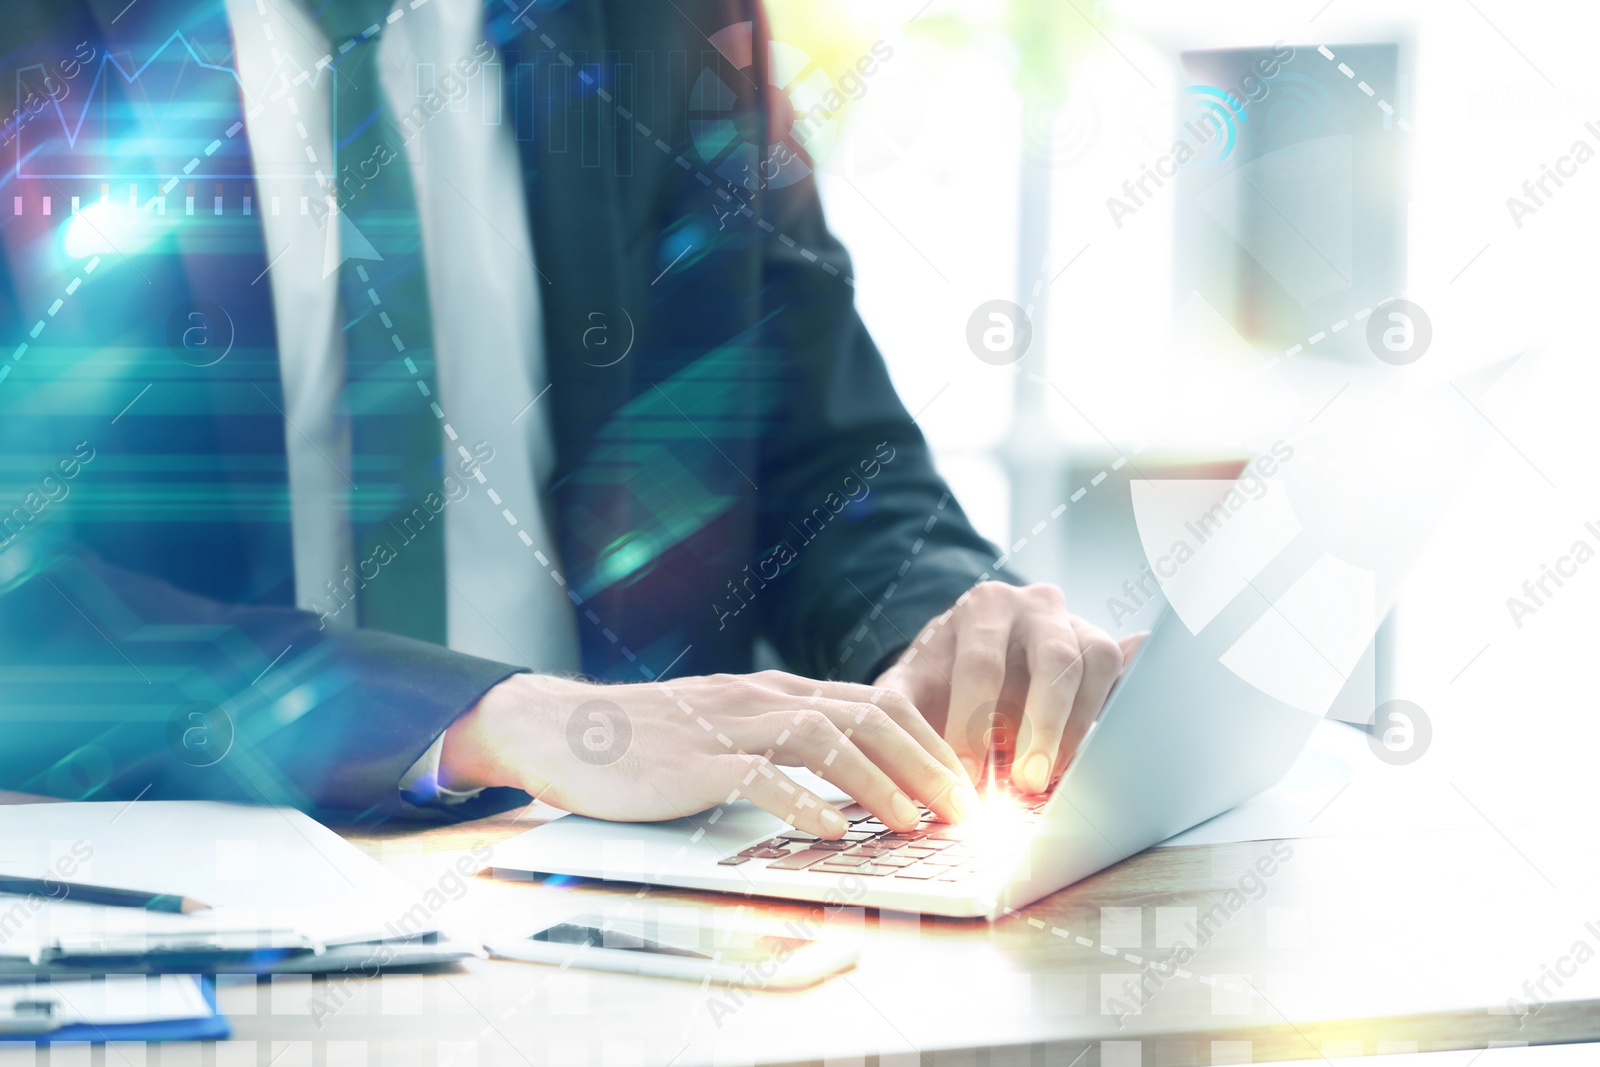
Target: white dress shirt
x=485 y=303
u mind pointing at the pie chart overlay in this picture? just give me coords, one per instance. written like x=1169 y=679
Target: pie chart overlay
x=724 y=119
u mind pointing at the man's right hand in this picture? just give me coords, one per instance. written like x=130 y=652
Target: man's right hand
x=664 y=750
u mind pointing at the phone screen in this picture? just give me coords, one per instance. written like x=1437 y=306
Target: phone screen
x=671 y=939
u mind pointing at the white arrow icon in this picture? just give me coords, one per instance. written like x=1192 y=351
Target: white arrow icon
x=346 y=242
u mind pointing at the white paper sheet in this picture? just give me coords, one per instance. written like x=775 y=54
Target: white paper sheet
x=267 y=873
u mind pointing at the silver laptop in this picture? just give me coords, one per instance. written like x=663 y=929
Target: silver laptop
x=1181 y=739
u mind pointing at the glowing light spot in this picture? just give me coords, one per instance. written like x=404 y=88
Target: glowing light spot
x=105 y=227
x=628 y=558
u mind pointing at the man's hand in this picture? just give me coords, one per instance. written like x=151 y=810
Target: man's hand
x=1009 y=677
x=666 y=750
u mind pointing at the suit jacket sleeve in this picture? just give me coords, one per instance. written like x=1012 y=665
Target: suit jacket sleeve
x=121 y=685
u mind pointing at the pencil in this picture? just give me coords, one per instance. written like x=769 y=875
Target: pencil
x=78 y=892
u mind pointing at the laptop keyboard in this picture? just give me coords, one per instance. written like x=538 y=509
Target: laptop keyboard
x=935 y=851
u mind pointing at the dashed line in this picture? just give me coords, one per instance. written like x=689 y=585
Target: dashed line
x=511 y=519
x=1295 y=350
x=1159 y=966
x=38 y=327
x=172 y=183
x=158 y=202
x=932 y=628
x=1037 y=529
x=283 y=90
x=1383 y=105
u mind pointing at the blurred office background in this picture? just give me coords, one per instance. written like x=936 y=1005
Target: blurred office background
x=975 y=165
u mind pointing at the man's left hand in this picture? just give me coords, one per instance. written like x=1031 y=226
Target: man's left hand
x=1008 y=676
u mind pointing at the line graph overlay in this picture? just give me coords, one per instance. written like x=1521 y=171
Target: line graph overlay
x=137 y=120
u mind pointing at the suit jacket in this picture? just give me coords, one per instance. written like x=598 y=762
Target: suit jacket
x=745 y=471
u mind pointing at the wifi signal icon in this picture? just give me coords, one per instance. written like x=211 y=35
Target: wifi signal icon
x=1214 y=124
x=1059 y=135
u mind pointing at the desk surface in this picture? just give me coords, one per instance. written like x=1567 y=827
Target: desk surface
x=1352 y=945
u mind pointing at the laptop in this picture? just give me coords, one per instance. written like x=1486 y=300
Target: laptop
x=1181 y=739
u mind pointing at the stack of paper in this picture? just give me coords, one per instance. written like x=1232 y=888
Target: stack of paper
x=284 y=892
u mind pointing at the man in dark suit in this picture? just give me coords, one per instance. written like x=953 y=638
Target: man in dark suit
x=248 y=555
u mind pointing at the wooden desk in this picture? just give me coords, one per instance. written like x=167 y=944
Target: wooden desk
x=1351 y=946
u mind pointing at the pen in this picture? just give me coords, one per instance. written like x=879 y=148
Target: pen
x=98 y=894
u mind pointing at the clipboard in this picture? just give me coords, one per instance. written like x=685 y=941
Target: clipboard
x=284 y=893
x=91 y=1010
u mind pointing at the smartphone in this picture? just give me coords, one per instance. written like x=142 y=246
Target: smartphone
x=694 y=948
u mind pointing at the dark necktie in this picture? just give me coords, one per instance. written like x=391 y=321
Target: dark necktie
x=397 y=445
